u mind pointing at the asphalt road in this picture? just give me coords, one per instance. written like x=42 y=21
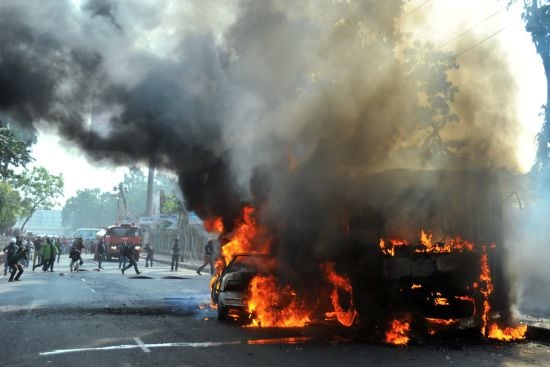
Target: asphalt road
x=105 y=318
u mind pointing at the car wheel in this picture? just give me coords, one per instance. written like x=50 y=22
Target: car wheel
x=222 y=313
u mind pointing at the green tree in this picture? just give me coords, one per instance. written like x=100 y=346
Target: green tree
x=9 y=205
x=39 y=189
x=169 y=204
x=14 y=152
x=537 y=22
x=89 y=208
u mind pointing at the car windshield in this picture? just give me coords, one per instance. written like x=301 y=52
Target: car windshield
x=123 y=232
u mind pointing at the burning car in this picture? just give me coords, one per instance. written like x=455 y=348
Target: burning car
x=230 y=287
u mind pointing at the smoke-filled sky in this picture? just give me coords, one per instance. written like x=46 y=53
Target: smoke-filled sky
x=132 y=36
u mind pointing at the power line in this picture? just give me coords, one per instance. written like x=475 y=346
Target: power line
x=483 y=40
x=472 y=27
x=415 y=9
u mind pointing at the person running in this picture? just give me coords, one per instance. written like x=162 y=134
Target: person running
x=9 y=251
x=150 y=253
x=129 y=251
x=76 y=259
x=208 y=250
x=122 y=255
x=175 y=255
x=46 y=256
x=13 y=261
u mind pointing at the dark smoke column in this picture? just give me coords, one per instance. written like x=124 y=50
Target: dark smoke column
x=537 y=17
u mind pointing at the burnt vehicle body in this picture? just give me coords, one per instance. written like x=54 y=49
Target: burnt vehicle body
x=230 y=287
x=417 y=284
x=435 y=286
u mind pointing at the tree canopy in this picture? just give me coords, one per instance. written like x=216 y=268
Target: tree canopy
x=9 y=206
x=14 y=152
x=39 y=189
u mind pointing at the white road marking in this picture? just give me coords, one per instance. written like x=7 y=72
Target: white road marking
x=93 y=290
x=142 y=346
x=83 y=279
x=134 y=346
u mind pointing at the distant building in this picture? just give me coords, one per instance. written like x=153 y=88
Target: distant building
x=44 y=222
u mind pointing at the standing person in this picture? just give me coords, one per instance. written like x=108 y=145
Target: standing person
x=9 y=251
x=175 y=255
x=100 y=249
x=149 y=251
x=53 y=254
x=208 y=250
x=37 y=259
x=130 y=253
x=59 y=249
x=13 y=261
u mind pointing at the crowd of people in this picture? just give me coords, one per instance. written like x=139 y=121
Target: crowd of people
x=38 y=252
x=45 y=252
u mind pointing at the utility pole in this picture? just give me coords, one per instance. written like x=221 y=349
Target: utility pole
x=150 y=183
x=537 y=22
x=122 y=212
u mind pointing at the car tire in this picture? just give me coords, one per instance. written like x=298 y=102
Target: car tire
x=222 y=313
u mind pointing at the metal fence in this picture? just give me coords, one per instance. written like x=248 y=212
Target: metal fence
x=191 y=237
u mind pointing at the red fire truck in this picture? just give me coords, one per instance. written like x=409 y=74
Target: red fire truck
x=117 y=235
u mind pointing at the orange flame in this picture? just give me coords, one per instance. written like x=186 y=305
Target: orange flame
x=455 y=244
x=492 y=330
x=340 y=282
x=272 y=306
x=444 y=322
x=246 y=238
x=416 y=286
x=389 y=249
x=469 y=299
x=426 y=239
x=508 y=333
x=486 y=289
x=213 y=225
x=399 y=333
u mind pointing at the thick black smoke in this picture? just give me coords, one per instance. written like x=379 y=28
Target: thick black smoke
x=319 y=113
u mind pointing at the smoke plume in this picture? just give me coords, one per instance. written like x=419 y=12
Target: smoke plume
x=320 y=113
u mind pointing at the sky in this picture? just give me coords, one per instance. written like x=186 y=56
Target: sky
x=441 y=22
x=60 y=157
